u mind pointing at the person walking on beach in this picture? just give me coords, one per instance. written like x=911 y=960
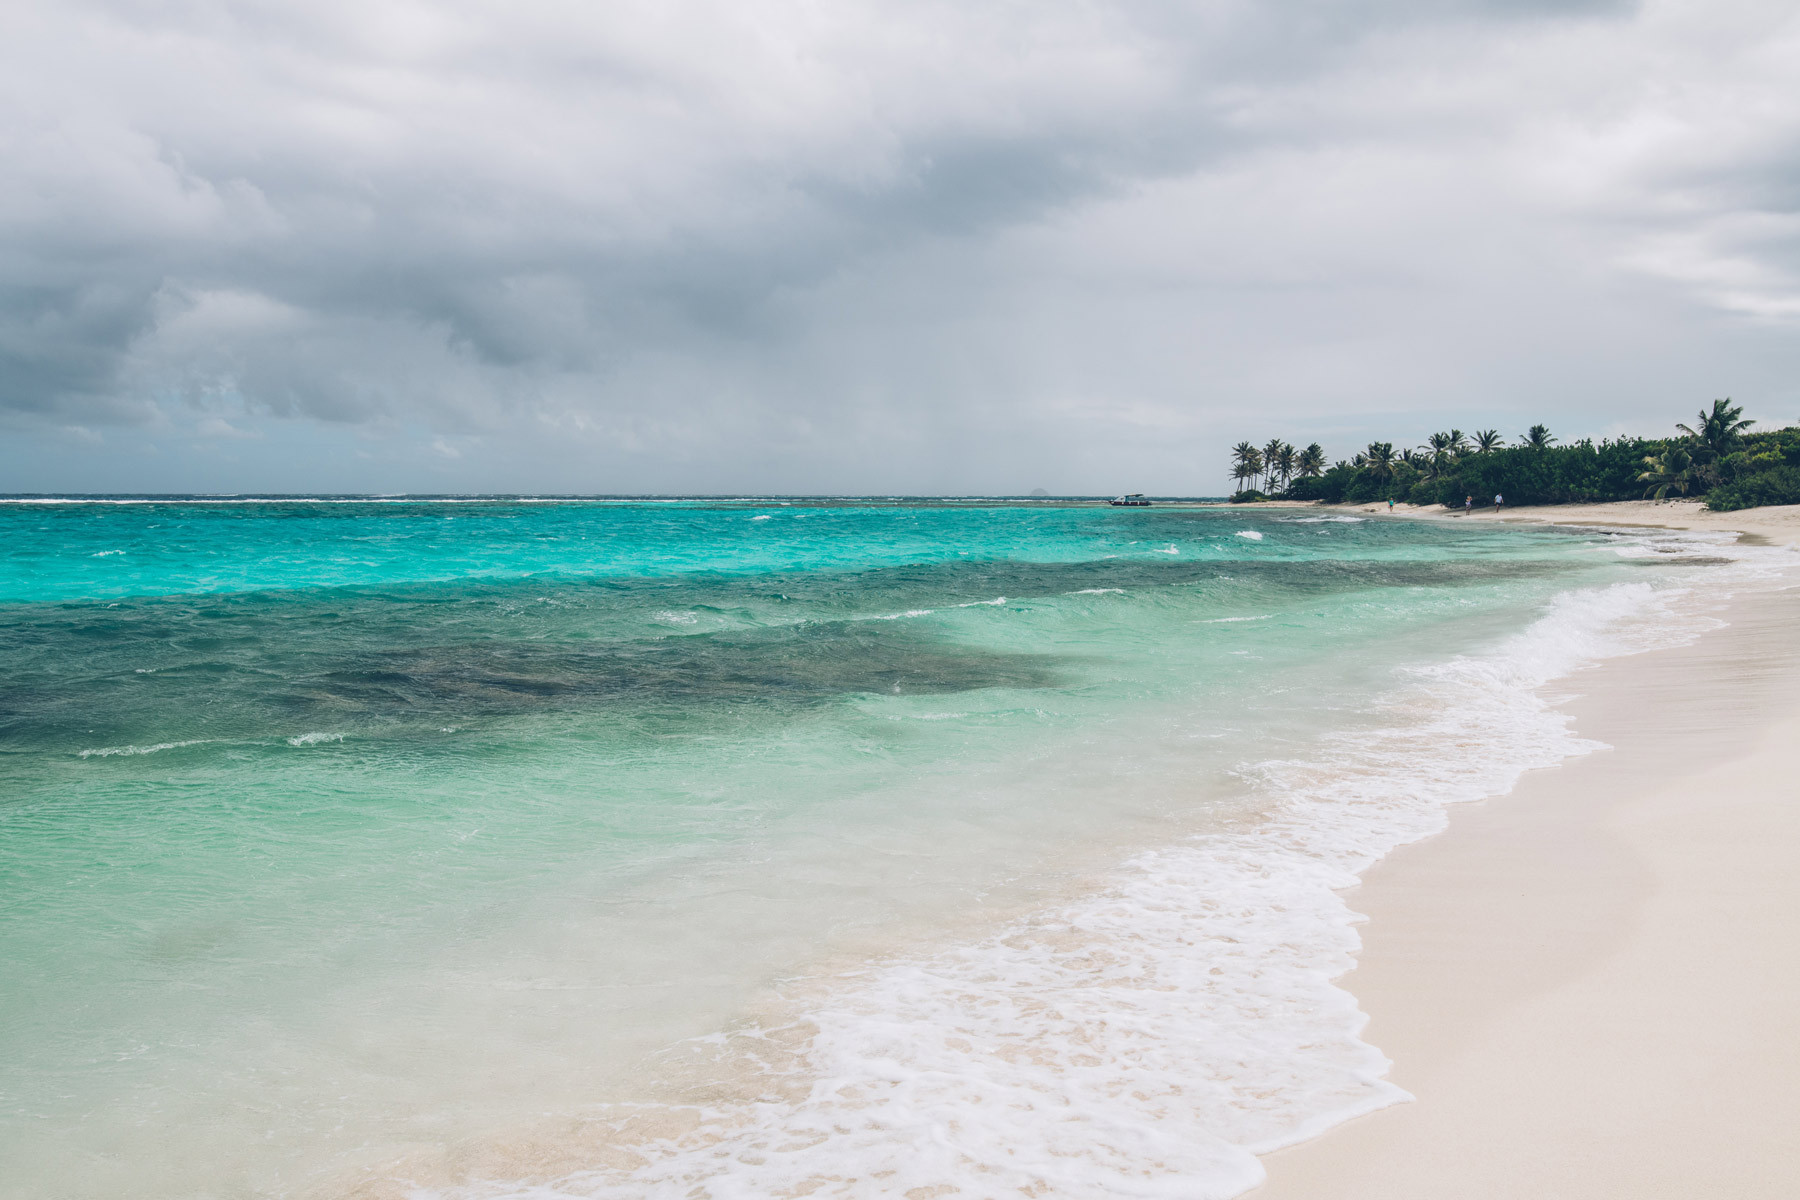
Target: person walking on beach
x=1497 y=502
x=1390 y=504
x=1468 y=505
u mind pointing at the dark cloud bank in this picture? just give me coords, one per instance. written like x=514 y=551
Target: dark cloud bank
x=921 y=247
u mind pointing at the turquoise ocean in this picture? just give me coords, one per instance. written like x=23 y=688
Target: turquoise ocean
x=732 y=848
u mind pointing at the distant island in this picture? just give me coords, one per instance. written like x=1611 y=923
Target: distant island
x=1717 y=458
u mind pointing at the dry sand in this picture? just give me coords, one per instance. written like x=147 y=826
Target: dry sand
x=1592 y=984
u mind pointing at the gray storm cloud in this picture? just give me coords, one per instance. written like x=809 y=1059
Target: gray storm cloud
x=686 y=245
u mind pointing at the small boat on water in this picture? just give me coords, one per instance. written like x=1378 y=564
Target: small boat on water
x=1132 y=500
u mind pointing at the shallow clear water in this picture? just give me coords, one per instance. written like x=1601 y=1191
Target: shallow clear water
x=340 y=835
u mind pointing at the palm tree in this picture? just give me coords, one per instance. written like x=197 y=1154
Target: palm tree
x=1721 y=428
x=1487 y=440
x=1670 y=471
x=1438 y=451
x=1283 y=463
x=1379 y=460
x=1536 y=438
x=1246 y=463
x=1311 y=462
x=1271 y=453
x=1446 y=449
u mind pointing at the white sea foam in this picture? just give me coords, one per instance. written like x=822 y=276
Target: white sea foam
x=1321 y=520
x=1100 y=592
x=105 y=553
x=109 y=751
x=1235 y=620
x=926 y=612
x=314 y=739
x=1665 y=545
x=1252 y=534
x=1150 y=1039
x=763 y=517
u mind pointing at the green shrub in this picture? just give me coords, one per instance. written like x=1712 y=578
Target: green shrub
x=1581 y=473
x=1329 y=487
x=1777 y=485
x=1366 y=486
x=1426 y=491
x=1247 y=496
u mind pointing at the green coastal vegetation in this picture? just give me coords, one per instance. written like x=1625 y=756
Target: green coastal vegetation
x=1718 y=458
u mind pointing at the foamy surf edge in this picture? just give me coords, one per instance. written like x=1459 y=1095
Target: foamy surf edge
x=1153 y=1038
x=133 y=751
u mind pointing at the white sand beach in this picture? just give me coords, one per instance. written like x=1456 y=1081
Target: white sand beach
x=1779 y=524
x=1589 y=984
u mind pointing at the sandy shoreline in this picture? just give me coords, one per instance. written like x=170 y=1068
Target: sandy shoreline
x=1779 y=524
x=1589 y=984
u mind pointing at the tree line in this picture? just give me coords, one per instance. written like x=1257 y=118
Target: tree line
x=1278 y=460
x=1717 y=457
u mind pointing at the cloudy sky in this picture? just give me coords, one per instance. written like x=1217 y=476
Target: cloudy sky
x=853 y=245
